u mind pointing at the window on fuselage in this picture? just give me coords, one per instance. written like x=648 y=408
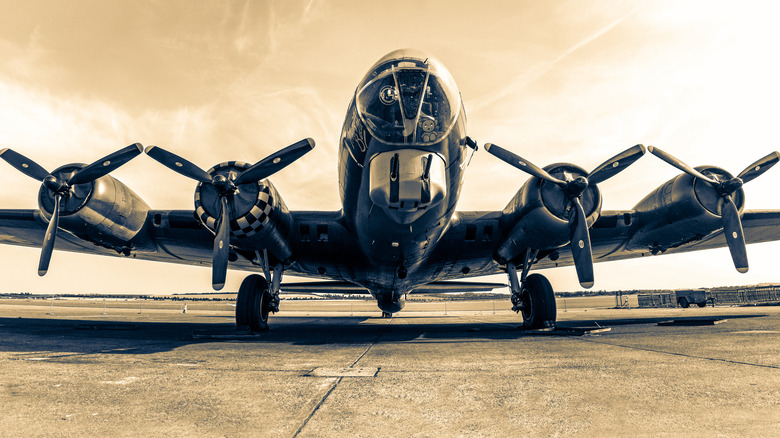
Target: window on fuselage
x=322 y=233
x=471 y=233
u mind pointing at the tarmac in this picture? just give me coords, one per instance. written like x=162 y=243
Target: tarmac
x=147 y=369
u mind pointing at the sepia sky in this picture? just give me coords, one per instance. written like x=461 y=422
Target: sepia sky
x=554 y=81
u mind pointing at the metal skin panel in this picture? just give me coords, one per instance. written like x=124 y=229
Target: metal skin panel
x=106 y=212
x=536 y=216
x=395 y=252
x=254 y=227
x=679 y=211
x=325 y=248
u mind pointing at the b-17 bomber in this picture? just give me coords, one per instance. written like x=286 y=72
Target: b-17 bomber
x=402 y=156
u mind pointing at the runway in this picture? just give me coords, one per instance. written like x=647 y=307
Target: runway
x=321 y=372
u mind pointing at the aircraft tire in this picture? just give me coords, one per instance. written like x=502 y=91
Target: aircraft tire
x=538 y=298
x=242 y=303
x=260 y=308
x=253 y=303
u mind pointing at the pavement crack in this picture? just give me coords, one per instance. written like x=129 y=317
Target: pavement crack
x=376 y=339
x=691 y=356
x=317 y=407
x=338 y=380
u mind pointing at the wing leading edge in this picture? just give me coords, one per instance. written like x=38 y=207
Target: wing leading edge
x=469 y=246
x=176 y=236
x=467 y=249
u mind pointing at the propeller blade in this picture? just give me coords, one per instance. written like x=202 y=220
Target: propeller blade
x=221 y=247
x=616 y=164
x=580 y=246
x=275 y=162
x=756 y=169
x=515 y=160
x=106 y=165
x=732 y=229
x=178 y=164
x=48 y=240
x=24 y=164
x=679 y=164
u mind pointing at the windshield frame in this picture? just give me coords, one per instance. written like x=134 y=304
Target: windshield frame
x=394 y=126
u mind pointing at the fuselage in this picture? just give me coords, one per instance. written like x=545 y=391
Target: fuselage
x=402 y=154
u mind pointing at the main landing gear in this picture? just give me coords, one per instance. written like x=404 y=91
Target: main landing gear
x=256 y=298
x=532 y=296
x=253 y=304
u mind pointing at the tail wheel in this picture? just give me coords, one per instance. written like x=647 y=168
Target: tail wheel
x=253 y=303
x=538 y=302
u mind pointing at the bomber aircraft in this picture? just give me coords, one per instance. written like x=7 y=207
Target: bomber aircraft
x=403 y=151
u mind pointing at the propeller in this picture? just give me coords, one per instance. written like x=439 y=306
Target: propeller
x=732 y=224
x=573 y=188
x=62 y=189
x=226 y=187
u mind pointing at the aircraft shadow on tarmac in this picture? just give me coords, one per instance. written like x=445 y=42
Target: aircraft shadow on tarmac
x=140 y=337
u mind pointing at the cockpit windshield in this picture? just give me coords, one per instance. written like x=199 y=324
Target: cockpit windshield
x=408 y=100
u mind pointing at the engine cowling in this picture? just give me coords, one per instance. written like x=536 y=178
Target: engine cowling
x=104 y=211
x=539 y=214
x=681 y=210
x=259 y=216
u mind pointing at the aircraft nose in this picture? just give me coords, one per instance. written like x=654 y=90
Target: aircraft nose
x=407 y=181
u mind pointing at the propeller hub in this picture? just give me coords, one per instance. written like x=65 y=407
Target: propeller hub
x=54 y=184
x=577 y=186
x=223 y=184
x=730 y=186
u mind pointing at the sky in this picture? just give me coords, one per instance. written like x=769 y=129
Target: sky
x=554 y=81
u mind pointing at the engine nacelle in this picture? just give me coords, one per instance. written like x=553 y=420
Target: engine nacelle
x=682 y=210
x=259 y=217
x=539 y=214
x=104 y=211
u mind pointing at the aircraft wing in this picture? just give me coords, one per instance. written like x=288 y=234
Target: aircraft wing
x=176 y=236
x=27 y=228
x=467 y=249
x=469 y=246
x=171 y=236
x=610 y=233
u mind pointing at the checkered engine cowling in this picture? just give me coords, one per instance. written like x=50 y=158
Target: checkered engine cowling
x=250 y=208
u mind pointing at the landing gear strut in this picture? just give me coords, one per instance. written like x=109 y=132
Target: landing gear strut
x=276 y=281
x=256 y=298
x=532 y=296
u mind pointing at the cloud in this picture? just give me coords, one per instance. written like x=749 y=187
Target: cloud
x=243 y=124
x=538 y=70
